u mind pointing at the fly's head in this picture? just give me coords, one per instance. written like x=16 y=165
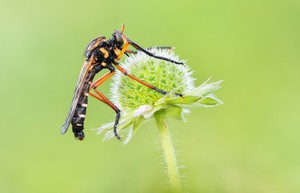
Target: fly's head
x=118 y=39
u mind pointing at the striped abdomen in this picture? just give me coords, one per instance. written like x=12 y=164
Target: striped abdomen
x=80 y=111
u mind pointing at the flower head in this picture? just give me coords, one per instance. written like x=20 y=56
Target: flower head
x=139 y=103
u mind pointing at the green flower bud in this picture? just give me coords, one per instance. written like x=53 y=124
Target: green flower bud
x=128 y=95
x=139 y=103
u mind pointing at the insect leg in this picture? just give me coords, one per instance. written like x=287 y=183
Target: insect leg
x=136 y=46
x=102 y=79
x=102 y=98
x=144 y=83
x=125 y=46
x=157 y=47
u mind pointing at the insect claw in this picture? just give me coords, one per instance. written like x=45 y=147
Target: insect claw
x=118 y=137
x=178 y=94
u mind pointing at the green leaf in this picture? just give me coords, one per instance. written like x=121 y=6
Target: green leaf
x=210 y=101
x=183 y=100
x=206 y=89
x=134 y=128
x=177 y=112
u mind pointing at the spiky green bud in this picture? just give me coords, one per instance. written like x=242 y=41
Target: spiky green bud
x=138 y=103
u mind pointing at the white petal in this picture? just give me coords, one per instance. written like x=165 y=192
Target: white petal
x=129 y=135
x=143 y=109
x=108 y=135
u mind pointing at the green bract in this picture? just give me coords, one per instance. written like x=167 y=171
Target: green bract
x=139 y=103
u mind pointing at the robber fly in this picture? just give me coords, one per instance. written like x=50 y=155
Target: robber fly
x=102 y=53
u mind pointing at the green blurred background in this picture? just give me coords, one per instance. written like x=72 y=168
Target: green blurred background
x=250 y=144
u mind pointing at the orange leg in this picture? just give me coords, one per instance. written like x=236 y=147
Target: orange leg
x=144 y=83
x=102 y=79
x=125 y=46
x=96 y=96
x=102 y=98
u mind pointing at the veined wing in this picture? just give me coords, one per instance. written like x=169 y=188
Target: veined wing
x=78 y=89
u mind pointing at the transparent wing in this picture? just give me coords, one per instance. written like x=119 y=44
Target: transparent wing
x=80 y=81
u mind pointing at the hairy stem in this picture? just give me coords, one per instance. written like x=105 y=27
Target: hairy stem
x=168 y=150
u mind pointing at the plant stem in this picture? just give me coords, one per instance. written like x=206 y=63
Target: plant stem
x=169 y=151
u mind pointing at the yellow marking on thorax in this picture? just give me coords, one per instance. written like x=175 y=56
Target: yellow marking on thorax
x=93 y=44
x=103 y=64
x=105 y=52
x=117 y=51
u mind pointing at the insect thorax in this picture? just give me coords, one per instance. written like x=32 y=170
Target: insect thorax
x=104 y=52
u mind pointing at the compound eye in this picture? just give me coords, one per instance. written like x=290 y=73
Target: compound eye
x=119 y=40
